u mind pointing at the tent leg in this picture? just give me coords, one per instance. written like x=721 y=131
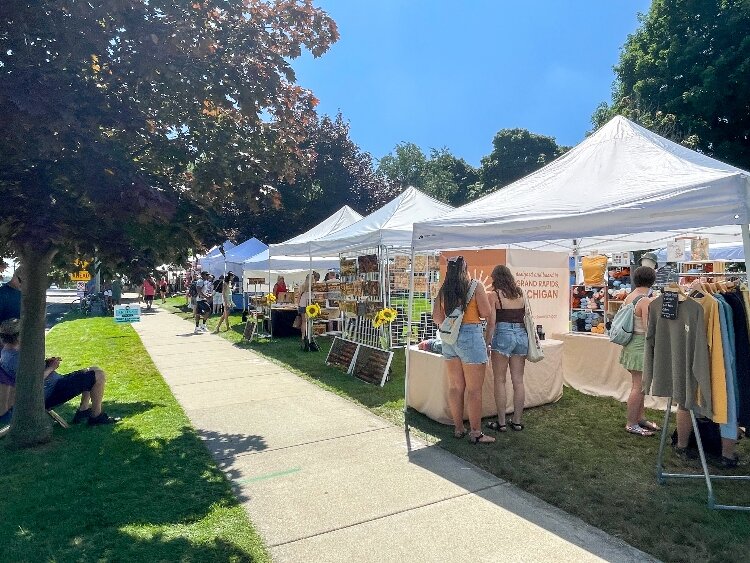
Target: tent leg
x=746 y=241
x=409 y=317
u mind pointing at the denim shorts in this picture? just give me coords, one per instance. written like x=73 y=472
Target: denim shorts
x=470 y=347
x=510 y=339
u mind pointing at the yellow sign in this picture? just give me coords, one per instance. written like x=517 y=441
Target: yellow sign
x=80 y=276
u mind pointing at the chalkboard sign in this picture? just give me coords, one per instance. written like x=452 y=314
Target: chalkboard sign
x=662 y=276
x=343 y=353
x=670 y=301
x=372 y=364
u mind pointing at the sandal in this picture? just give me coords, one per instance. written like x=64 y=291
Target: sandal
x=638 y=430
x=481 y=438
x=496 y=426
x=648 y=425
x=515 y=426
x=459 y=434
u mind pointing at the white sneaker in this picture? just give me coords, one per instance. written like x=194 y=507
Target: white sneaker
x=204 y=328
x=197 y=330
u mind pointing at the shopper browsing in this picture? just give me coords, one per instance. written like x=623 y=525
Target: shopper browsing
x=203 y=291
x=632 y=355
x=466 y=359
x=509 y=344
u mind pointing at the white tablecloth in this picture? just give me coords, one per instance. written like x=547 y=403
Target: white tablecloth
x=428 y=383
x=591 y=365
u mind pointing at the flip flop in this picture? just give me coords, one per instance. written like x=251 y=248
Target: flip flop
x=638 y=430
x=648 y=425
x=458 y=435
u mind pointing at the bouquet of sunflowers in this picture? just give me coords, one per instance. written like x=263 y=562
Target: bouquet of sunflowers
x=270 y=298
x=385 y=316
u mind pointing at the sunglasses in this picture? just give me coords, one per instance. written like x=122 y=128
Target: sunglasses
x=455 y=258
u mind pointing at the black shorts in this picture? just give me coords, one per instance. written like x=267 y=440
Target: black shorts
x=202 y=307
x=70 y=386
x=149 y=298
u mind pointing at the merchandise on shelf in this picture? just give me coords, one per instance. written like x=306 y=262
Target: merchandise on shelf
x=588 y=308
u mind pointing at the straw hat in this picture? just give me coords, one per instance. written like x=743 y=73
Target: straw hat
x=11 y=327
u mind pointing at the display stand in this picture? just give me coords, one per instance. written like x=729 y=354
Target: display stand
x=661 y=476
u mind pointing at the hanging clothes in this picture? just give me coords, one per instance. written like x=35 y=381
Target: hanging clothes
x=716 y=356
x=594 y=268
x=746 y=299
x=728 y=430
x=742 y=354
x=676 y=362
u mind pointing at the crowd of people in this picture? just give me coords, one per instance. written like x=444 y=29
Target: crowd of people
x=207 y=294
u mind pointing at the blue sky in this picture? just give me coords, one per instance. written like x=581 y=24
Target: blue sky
x=453 y=72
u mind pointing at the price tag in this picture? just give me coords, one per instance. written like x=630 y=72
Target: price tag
x=670 y=301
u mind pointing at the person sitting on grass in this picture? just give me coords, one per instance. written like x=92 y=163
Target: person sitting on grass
x=59 y=389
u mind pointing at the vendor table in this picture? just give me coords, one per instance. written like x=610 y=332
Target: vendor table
x=591 y=365
x=282 y=319
x=428 y=383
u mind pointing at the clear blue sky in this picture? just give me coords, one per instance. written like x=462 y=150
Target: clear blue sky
x=452 y=73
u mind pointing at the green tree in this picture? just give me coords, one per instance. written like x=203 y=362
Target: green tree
x=404 y=167
x=441 y=175
x=448 y=178
x=340 y=174
x=684 y=73
x=515 y=154
x=129 y=128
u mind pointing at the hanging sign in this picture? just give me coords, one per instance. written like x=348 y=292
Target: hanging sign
x=670 y=301
x=676 y=251
x=699 y=249
x=621 y=259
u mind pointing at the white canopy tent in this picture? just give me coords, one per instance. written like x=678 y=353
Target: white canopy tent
x=623 y=188
x=389 y=226
x=236 y=257
x=269 y=263
x=214 y=256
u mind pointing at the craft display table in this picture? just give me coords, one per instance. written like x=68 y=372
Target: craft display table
x=428 y=383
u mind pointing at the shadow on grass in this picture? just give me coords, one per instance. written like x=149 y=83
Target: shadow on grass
x=110 y=493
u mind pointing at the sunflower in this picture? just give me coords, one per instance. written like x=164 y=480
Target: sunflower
x=312 y=310
x=271 y=298
x=388 y=315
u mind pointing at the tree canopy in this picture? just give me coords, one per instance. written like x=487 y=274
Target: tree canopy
x=684 y=73
x=441 y=175
x=515 y=154
x=129 y=128
x=340 y=174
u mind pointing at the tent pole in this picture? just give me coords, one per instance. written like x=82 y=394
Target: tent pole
x=309 y=296
x=409 y=317
x=746 y=243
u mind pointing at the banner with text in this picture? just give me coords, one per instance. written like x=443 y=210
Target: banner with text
x=545 y=278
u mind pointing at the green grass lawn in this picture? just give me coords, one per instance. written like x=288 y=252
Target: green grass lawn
x=574 y=454
x=144 y=489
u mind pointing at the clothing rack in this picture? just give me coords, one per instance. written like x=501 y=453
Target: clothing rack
x=661 y=476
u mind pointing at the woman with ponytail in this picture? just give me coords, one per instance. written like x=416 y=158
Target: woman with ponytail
x=467 y=357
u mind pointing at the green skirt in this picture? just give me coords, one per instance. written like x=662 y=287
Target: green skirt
x=631 y=357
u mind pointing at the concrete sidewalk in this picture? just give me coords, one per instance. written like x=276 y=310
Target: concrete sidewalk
x=325 y=480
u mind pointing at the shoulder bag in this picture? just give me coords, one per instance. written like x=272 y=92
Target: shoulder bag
x=450 y=327
x=535 y=354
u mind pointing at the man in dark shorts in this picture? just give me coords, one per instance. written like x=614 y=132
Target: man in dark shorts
x=10 y=297
x=59 y=389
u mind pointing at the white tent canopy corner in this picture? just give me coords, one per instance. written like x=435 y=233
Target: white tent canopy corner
x=389 y=226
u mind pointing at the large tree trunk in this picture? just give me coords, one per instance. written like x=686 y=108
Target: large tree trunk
x=31 y=425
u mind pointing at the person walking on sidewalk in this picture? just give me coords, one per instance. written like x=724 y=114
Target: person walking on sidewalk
x=203 y=295
x=163 y=289
x=149 y=290
x=226 y=297
x=466 y=359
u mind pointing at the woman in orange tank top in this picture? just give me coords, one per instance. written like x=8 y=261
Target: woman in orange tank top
x=467 y=357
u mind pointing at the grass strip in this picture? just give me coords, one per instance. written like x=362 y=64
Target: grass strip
x=145 y=489
x=574 y=454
